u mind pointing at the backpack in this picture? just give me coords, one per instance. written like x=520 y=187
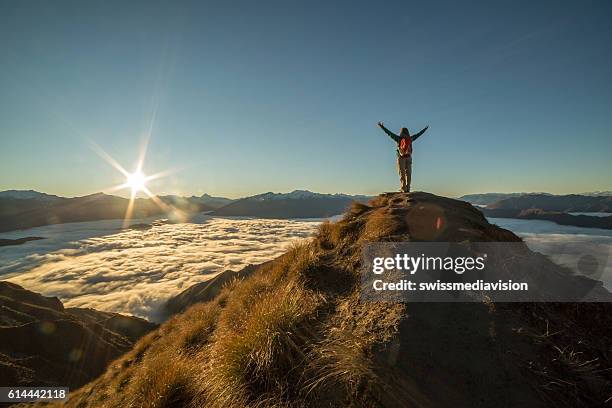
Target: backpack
x=405 y=146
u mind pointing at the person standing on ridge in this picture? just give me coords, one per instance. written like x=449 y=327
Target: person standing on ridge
x=404 y=154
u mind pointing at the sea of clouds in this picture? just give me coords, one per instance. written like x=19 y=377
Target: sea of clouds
x=98 y=265
x=586 y=251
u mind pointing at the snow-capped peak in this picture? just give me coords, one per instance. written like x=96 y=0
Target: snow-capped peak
x=298 y=195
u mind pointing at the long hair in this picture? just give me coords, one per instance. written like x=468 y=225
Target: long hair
x=404 y=132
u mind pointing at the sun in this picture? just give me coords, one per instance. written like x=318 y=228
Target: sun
x=136 y=181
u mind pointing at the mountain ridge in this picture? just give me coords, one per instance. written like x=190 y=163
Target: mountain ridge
x=491 y=198
x=42 y=343
x=27 y=194
x=215 y=201
x=296 y=204
x=27 y=212
x=294 y=332
x=560 y=203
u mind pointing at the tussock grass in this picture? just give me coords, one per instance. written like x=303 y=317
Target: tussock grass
x=344 y=357
x=159 y=371
x=272 y=339
x=357 y=208
x=255 y=360
x=574 y=369
x=163 y=381
x=381 y=226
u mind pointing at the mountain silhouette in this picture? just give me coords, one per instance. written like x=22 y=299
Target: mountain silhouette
x=296 y=204
x=44 y=344
x=26 y=211
x=488 y=198
x=214 y=202
x=28 y=195
x=561 y=203
x=561 y=218
x=20 y=209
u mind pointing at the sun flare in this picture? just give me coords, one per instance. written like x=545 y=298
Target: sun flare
x=136 y=181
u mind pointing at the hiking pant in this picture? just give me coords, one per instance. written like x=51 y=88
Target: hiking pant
x=404 y=166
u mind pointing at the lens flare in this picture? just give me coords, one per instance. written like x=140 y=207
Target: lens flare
x=136 y=181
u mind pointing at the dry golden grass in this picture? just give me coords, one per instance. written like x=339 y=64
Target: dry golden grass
x=271 y=339
x=343 y=358
x=250 y=362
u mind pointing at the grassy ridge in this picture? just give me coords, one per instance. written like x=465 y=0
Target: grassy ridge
x=294 y=334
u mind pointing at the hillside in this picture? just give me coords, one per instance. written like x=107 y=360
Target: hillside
x=43 y=343
x=294 y=333
x=560 y=203
x=205 y=291
x=561 y=218
x=567 y=219
x=296 y=204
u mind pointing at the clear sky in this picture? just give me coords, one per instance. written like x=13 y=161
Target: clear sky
x=248 y=97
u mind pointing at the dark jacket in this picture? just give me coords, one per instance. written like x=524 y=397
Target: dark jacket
x=398 y=138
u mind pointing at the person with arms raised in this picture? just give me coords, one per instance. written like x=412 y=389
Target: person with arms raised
x=404 y=153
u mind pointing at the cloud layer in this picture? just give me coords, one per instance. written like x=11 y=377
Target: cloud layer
x=135 y=271
x=587 y=251
x=99 y=265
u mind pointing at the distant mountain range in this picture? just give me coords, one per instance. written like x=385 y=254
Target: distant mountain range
x=27 y=209
x=598 y=193
x=296 y=204
x=559 y=203
x=490 y=198
x=21 y=209
x=28 y=195
x=304 y=195
x=214 y=202
x=543 y=206
x=21 y=213
x=205 y=202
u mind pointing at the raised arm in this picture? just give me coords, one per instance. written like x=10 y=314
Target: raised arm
x=390 y=133
x=414 y=137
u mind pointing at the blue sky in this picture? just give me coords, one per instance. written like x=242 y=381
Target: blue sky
x=251 y=97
